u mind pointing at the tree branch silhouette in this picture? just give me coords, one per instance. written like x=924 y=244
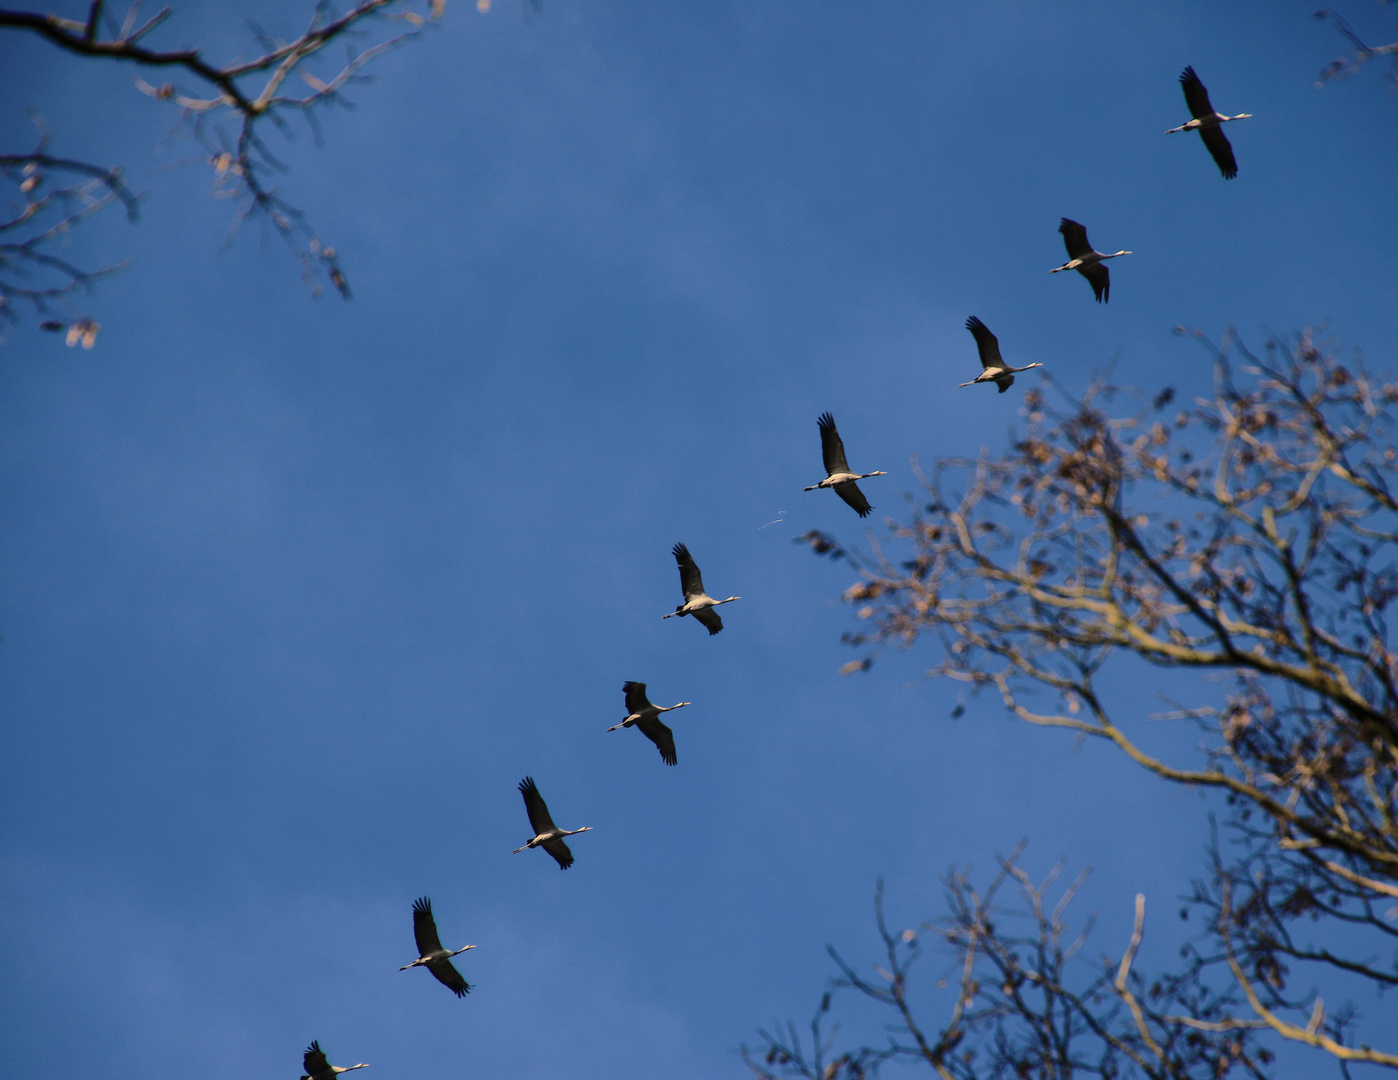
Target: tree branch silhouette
x=1253 y=535
x=226 y=107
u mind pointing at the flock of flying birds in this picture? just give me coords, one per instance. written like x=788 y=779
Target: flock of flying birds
x=643 y=715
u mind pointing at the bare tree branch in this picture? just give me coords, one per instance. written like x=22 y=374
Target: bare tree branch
x=54 y=196
x=1254 y=535
x=1024 y=1007
x=228 y=104
x=1348 y=66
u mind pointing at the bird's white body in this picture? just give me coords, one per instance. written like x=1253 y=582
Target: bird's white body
x=553 y=834
x=693 y=605
x=437 y=955
x=1210 y=121
x=649 y=713
x=843 y=478
x=995 y=374
x=1087 y=260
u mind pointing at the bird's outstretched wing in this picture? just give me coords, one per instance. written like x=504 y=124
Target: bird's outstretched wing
x=709 y=617
x=1221 y=149
x=854 y=497
x=448 y=976
x=539 y=819
x=690 y=581
x=1195 y=96
x=561 y=855
x=1099 y=278
x=1004 y=382
x=1074 y=238
x=314 y=1061
x=636 y=699
x=660 y=734
x=832 y=448
x=425 y=927
x=986 y=343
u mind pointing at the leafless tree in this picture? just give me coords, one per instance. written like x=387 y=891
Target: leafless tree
x=226 y=107
x=1252 y=536
x=1024 y=1002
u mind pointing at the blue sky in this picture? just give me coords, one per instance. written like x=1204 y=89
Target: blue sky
x=294 y=591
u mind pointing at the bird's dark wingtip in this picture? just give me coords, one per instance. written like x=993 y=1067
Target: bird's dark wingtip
x=714 y=630
x=680 y=552
x=972 y=323
x=865 y=513
x=825 y=420
x=1187 y=75
x=422 y=904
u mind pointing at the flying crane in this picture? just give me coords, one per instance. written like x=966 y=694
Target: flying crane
x=996 y=370
x=547 y=835
x=431 y=955
x=1207 y=123
x=1086 y=261
x=318 y=1068
x=837 y=471
x=645 y=716
x=696 y=601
